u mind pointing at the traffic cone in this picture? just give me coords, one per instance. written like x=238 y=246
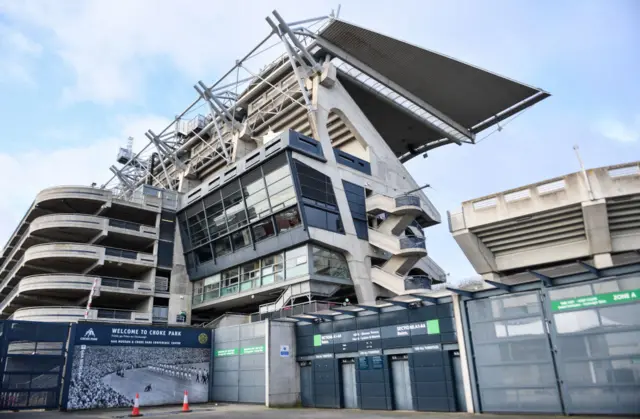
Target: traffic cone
x=136 y=407
x=185 y=403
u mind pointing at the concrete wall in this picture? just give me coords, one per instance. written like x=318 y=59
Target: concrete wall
x=589 y=215
x=283 y=371
x=239 y=364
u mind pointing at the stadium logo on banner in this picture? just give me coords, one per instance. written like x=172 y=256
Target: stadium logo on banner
x=203 y=338
x=89 y=335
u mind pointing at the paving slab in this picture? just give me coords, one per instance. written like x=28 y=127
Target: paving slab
x=239 y=411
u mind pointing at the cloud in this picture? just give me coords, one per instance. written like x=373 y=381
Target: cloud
x=113 y=47
x=17 y=53
x=35 y=170
x=617 y=130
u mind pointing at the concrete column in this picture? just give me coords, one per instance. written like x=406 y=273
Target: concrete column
x=462 y=348
x=480 y=257
x=180 y=287
x=596 y=225
x=603 y=260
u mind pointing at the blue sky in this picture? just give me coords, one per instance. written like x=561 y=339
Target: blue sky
x=78 y=77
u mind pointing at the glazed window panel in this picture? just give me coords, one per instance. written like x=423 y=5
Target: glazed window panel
x=212 y=287
x=282 y=194
x=234 y=206
x=258 y=206
x=279 y=183
x=217 y=225
x=203 y=254
x=263 y=230
x=197 y=228
x=215 y=217
x=296 y=262
x=288 y=220
x=250 y=275
x=255 y=194
x=230 y=280
x=272 y=269
x=275 y=169
x=329 y=263
x=241 y=238
x=222 y=246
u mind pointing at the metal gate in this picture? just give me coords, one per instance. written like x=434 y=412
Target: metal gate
x=401 y=381
x=306 y=383
x=349 y=392
x=573 y=349
x=32 y=357
x=595 y=330
x=456 y=364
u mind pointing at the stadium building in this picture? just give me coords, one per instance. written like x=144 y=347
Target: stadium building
x=555 y=326
x=286 y=187
x=286 y=199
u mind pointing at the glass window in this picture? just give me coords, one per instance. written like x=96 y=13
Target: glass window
x=282 y=193
x=229 y=282
x=272 y=269
x=203 y=254
x=182 y=220
x=191 y=260
x=263 y=229
x=334 y=223
x=255 y=195
x=241 y=239
x=279 y=183
x=215 y=216
x=250 y=275
x=222 y=246
x=316 y=186
x=233 y=205
x=329 y=263
x=287 y=220
x=197 y=227
x=198 y=292
x=296 y=262
x=212 y=287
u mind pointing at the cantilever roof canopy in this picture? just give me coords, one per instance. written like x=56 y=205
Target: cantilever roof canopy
x=465 y=97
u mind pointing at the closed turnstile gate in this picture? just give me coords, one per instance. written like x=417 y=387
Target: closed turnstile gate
x=461 y=403
x=306 y=384
x=32 y=359
x=401 y=381
x=349 y=392
x=571 y=349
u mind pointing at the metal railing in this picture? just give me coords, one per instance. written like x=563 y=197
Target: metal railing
x=160 y=314
x=124 y=224
x=117 y=282
x=412 y=243
x=407 y=200
x=414 y=282
x=436 y=271
x=294 y=310
x=103 y=313
x=120 y=253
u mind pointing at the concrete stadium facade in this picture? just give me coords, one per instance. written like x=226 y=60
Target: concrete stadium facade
x=76 y=243
x=288 y=207
x=290 y=192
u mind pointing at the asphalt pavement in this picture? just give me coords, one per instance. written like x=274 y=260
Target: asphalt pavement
x=214 y=411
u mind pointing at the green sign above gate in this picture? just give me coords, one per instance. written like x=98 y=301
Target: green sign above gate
x=589 y=301
x=227 y=352
x=252 y=350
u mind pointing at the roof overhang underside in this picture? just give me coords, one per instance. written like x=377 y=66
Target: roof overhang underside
x=464 y=96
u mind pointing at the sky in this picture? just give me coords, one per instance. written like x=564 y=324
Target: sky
x=78 y=77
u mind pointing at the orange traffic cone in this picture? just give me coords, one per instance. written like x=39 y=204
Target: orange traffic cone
x=185 y=403
x=136 y=407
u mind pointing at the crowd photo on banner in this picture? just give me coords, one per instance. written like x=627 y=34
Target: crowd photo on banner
x=110 y=376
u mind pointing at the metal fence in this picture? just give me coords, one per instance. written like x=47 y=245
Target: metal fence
x=410 y=242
